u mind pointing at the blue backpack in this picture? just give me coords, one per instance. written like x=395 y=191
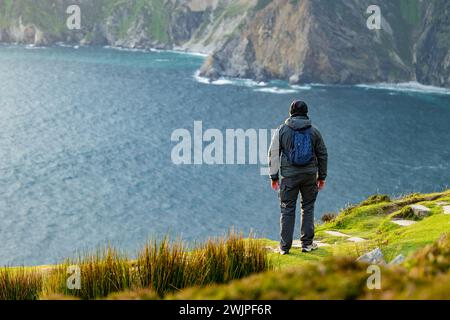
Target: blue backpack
x=301 y=152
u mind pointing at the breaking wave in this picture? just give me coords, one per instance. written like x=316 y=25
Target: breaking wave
x=406 y=87
x=259 y=86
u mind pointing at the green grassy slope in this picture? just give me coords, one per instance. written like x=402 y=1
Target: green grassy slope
x=373 y=222
x=332 y=273
x=424 y=276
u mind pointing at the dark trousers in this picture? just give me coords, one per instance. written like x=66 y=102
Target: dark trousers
x=290 y=187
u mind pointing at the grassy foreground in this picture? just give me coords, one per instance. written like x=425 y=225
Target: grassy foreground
x=237 y=268
x=162 y=267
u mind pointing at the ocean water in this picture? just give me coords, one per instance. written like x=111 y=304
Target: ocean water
x=85 y=149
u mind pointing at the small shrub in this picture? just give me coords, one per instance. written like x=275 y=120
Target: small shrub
x=378 y=198
x=406 y=213
x=328 y=217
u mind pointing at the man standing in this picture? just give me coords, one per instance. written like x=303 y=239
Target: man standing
x=298 y=156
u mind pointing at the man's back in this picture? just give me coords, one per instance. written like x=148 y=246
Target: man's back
x=284 y=138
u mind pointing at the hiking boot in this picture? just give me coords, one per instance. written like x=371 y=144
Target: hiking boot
x=310 y=248
x=283 y=252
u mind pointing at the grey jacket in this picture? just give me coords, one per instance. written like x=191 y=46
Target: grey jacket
x=282 y=140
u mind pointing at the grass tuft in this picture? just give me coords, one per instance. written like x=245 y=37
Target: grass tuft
x=406 y=213
x=20 y=284
x=160 y=268
x=101 y=273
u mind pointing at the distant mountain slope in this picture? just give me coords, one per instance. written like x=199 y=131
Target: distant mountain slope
x=303 y=41
x=197 y=25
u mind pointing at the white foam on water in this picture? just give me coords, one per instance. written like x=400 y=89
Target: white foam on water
x=304 y=87
x=276 y=90
x=320 y=85
x=34 y=47
x=406 y=87
x=251 y=83
x=201 y=79
x=229 y=81
x=62 y=44
x=125 y=49
x=259 y=86
x=183 y=52
x=221 y=82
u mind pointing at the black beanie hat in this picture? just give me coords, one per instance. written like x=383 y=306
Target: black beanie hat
x=298 y=108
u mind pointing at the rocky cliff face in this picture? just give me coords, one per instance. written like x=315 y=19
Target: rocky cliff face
x=432 y=50
x=328 y=42
x=302 y=41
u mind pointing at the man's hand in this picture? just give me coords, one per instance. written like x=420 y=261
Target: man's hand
x=320 y=184
x=275 y=185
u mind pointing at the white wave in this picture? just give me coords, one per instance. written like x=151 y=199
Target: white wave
x=276 y=90
x=222 y=82
x=62 y=44
x=229 y=81
x=304 y=87
x=201 y=79
x=125 y=49
x=34 y=47
x=259 y=86
x=320 y=85
x=406 y=87
x=250 y=83
x=184 y=52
